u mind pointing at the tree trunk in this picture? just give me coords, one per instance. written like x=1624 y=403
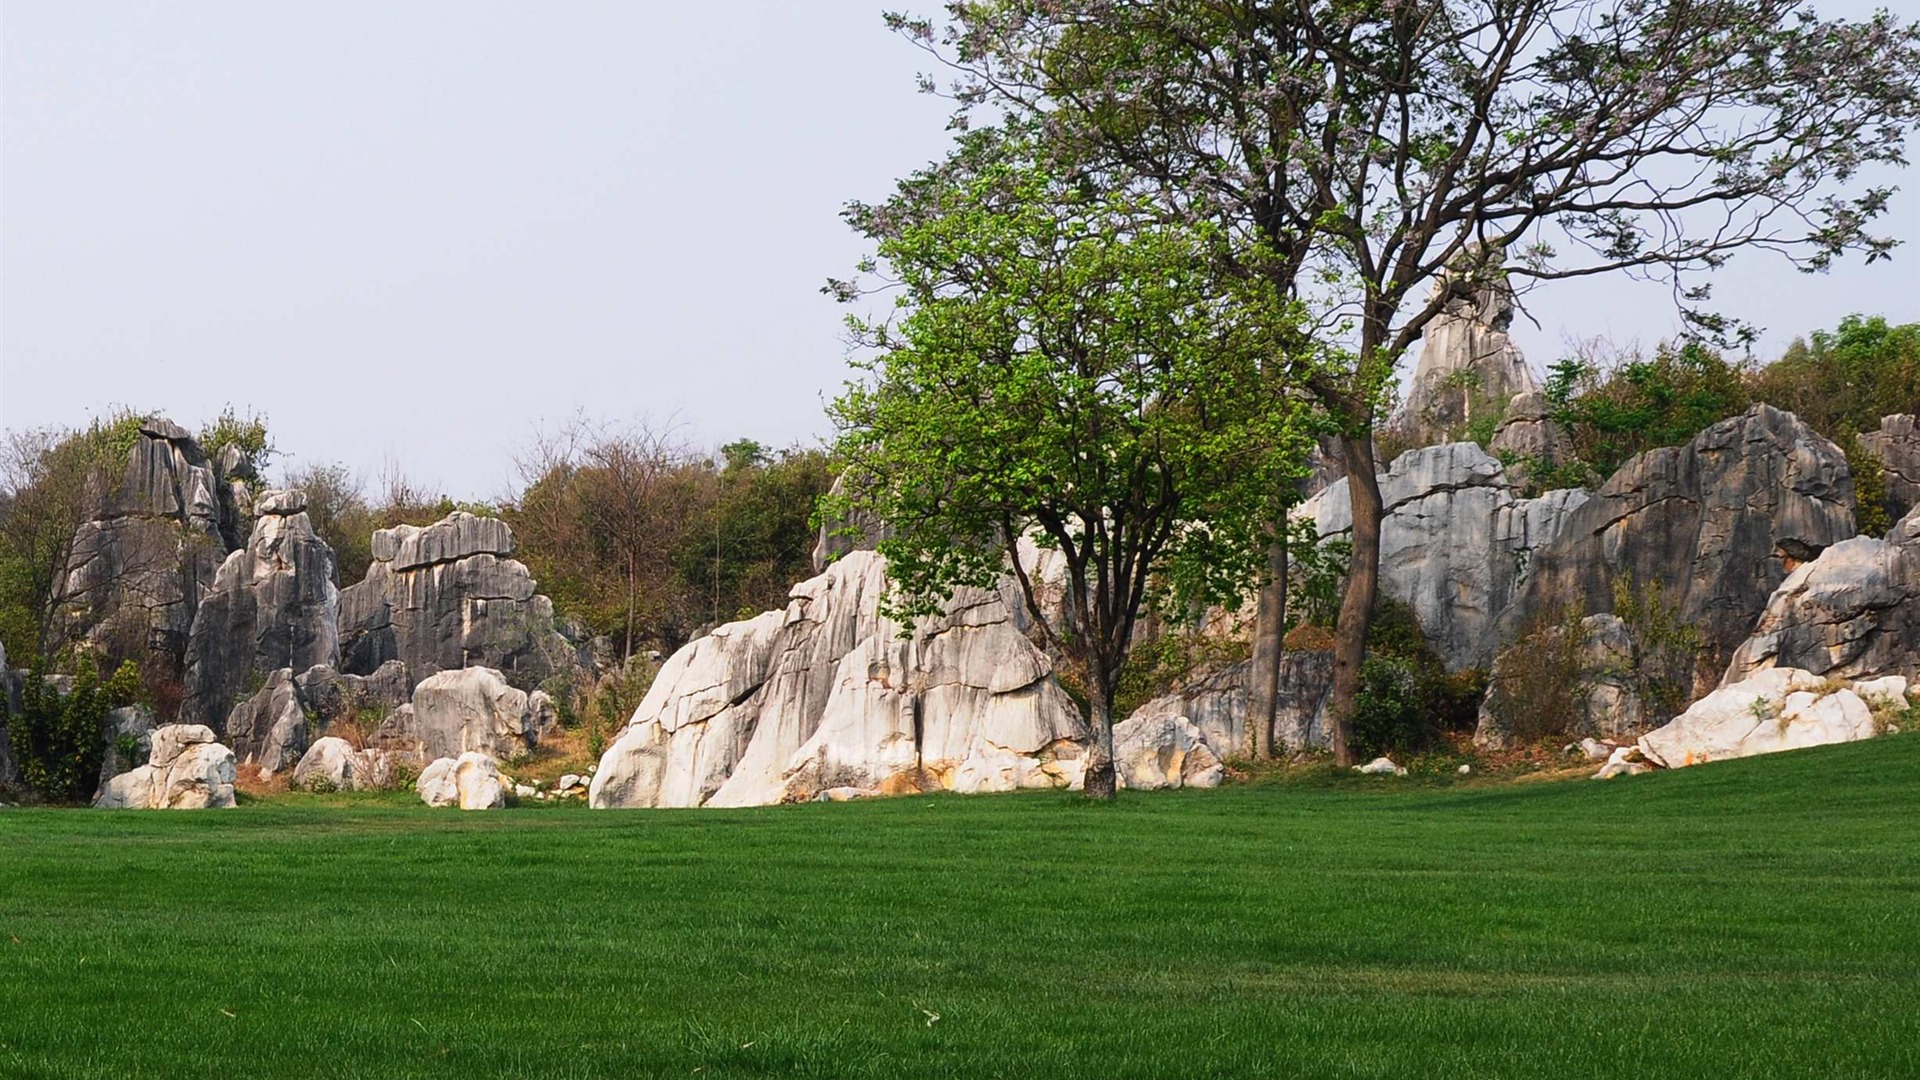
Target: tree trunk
x=1100 y=782
x=1269 y=632
x=1363 y=578
x=626 y=657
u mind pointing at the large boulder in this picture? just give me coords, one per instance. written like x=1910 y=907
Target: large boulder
x=186 y=770
x=1469 y=366
x=1773 y=710
x=269 y=730
x=470 y=782
x=273 y=605
x=1528 y=437
x=446 y=596
x=472 y=709
x=1854 y=612
x=138 y=569
x=129 y=742
x=827 y=694
x=1216 y=704
x=1456 y=541
x=1897 y=447
x=1164 y=752
x=332 y=764
x=1714 y=524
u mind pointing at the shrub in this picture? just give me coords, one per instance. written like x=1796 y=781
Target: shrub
x=1390 y=714
x=58 y=741
x=1543 y=681
x=1666 y=649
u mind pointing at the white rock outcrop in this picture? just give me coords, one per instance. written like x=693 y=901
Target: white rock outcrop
x=469 y=709
x=332 y=764
x=828 y=694
x=471 y=782
x=1151 y=752
x=1772 y=710
x=186 y=770
x=1455 y=542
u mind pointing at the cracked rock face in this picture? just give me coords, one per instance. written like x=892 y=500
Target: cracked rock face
x=446 y=597
x=473 y=709
x=273 y=605
x=1153 y=752
x=139 y=568
x=1897 y=447
x=1713 y=522
x=186 y=770
x=1217 y=704
x=1467 y=363
x=826 y=695
x=1456 y=543
x=269 y=730
x=1852 y=613
x=1776 y=709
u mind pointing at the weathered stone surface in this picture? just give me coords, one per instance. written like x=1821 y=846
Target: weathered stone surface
x=1150 y=753
x=1467 y=363
x=269 y=730
x=445 y=597
x=1773 y=710
x=1612 y=707
x=1528 y=435
x=1455 y=543
x=1713 y=523
x=838 y=536
x=1217 y=704
x=129 y=742
x=334 y=697
x=470 y=782
x=138 y=569
x=1381 y=766
x=1852 y=612
x=1623 y=761
x=273 y=605
x=186 y=770
x=328 y=765
x=473 y=709
x=826 y=694
x=1897 y=446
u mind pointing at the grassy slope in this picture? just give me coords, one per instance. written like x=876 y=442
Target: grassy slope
x=1750 y=919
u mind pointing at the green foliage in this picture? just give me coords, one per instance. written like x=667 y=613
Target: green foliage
x=1543 y=682
x=1408 y=700
x=246 y=434
x=1643 y=404
x=1846 y=379
x=1390 y=713
x=1316 y=568
x=1169 y=660
x=58 y=741
x=1060 y=364
x=1873 y=512
x=1666 y=648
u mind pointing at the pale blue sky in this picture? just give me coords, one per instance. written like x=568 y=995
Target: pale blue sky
x=418 y=230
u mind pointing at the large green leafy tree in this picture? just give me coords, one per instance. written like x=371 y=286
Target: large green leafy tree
x=1059 y=368
x=1357 y=150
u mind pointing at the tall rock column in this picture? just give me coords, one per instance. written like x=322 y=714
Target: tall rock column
x=274 y=605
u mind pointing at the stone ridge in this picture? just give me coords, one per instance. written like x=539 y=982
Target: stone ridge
x=454 y=537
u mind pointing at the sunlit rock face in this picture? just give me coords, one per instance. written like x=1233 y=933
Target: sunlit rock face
x=1715 y=524
x=829 y=694
x=1469 y=368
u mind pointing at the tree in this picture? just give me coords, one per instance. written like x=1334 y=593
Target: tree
x=55 y=480
x=1356 y=152
x=59 y=738
x=1059 y=369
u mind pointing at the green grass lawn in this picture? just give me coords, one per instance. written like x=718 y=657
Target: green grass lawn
x=1751 y=919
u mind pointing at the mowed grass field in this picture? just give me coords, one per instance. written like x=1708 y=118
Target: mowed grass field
x=1751 y=919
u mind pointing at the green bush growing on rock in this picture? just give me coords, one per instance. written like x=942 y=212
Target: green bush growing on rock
x=58 y=741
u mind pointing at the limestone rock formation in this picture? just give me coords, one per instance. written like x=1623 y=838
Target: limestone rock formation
x=446 y=597
x=472 y=709
x=826 y=694
x=129 y=742
x=1853 y=612
x=1164 y=752
x=273 y=605
x=269 y=729
x=186 y=770
x=1216 y=704
x=470 y=782
x=332 y=764
x=1776 y=709
x=335 y=697
x=1528 y=436
x=1610 y=702
x=1468 y=365
x=1897 y=447
x=838 y=536
x=138 y=569
x=1714 y=523
x=1456 y=543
